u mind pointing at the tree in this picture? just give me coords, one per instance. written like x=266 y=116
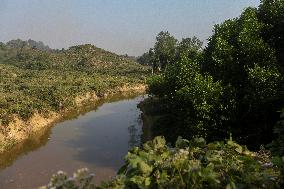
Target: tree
x=271 y=14
x=238 y=56
x=190 y=47
x=236 y=84
x=145 y=59
x=165 y=48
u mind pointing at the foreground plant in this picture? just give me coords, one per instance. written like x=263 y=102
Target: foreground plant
x=190 y=164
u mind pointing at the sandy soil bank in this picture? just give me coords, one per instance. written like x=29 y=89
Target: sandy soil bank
x=19 y=130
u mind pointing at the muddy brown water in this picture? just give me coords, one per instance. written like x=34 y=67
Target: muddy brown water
x=97 y=139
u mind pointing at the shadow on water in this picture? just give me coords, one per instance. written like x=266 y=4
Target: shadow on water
x=40 y=139
x=134 y=135
x=109 y=127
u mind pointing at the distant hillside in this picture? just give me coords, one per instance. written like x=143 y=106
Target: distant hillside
x=18 y=43
x=81 y=57
x=40 y=81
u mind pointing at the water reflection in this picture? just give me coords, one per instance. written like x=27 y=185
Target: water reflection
x=134 y=136
x=108 y=127
x=34 y=142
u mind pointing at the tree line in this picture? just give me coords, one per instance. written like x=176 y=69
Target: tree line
x=232 y=86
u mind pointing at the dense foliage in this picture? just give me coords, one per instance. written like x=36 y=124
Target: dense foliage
x=235 y=85
x=167 y=49
x=37 y=81
x=190 y=164
x=277 y=146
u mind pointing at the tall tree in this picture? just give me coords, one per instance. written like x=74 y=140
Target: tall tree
x=190 y=47
x=271 y=14
x=246 y=64
x=165 y=48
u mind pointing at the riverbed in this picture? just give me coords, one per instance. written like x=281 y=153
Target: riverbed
x=97 y=139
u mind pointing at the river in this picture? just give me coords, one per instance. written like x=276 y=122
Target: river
x=97 y=139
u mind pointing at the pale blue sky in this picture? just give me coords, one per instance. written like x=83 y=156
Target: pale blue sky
x=121 y=26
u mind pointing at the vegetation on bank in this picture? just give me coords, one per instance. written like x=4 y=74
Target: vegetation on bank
x=233 y=86
x=40 y=81
x=39 y=85
x=188 y=164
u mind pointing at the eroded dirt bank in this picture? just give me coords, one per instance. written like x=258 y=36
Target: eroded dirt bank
x=19 y=130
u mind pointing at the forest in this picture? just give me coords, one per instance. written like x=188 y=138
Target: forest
x=218 y=110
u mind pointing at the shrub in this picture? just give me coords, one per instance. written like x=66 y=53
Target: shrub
x=189 y=164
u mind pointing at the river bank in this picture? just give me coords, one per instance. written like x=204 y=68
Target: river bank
x=157 y=120
x=96 y=136
x=18 y=130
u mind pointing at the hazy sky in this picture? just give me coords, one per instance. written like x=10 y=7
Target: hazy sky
x=121 y=26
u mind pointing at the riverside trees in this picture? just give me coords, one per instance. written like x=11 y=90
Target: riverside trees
x=235 y=85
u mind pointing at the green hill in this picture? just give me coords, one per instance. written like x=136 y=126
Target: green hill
x=40 y=81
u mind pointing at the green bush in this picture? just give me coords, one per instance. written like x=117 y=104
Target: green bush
x=189 y=164
x=277 y=146
x=156 y=85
